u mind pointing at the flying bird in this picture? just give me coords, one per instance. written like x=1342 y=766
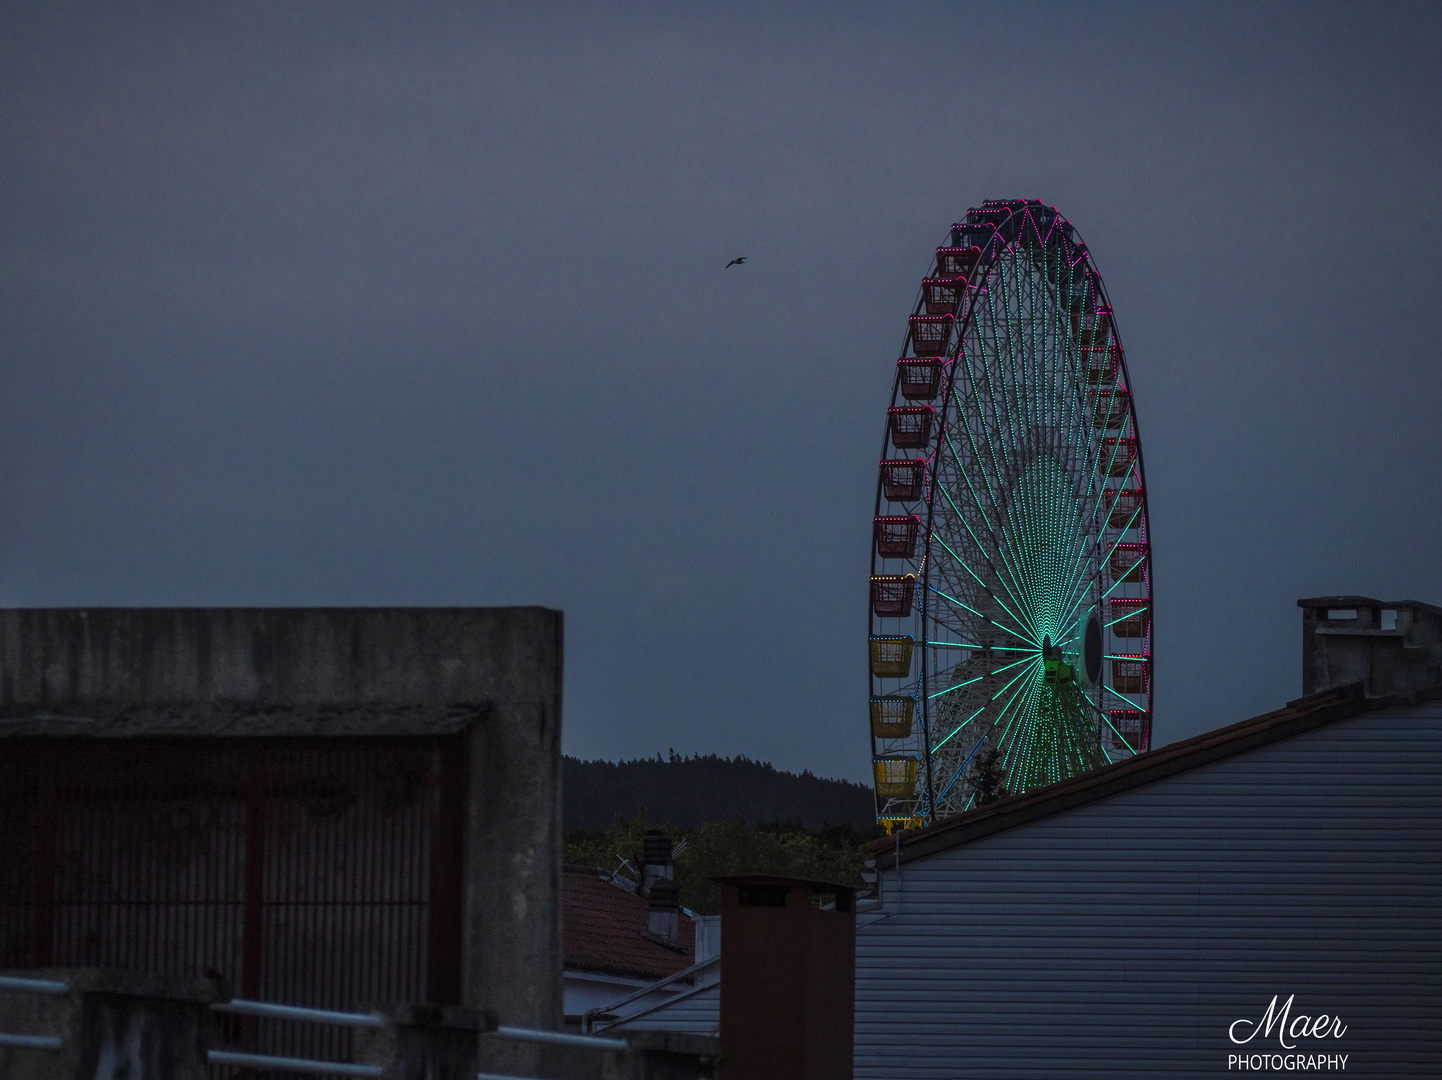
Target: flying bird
x=735 y=262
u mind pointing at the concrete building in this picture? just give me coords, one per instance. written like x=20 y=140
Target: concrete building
x=329 y=807
x=1154 y=918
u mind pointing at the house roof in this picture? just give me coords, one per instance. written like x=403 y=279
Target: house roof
x=603 y=929
x=1302 y=715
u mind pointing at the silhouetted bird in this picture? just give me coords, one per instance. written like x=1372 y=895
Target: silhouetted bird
x=734 y=262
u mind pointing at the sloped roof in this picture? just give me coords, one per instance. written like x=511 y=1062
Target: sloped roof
x=1302 y=715
x=603 y=928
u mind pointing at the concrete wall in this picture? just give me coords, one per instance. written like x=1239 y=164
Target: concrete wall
x=502 y=665
x=1390 y=646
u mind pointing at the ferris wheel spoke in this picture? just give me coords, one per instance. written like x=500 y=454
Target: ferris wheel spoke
x=1000 y=579
x=978 y=678
x=1107 y=720
x=995 y=508
x=1005 y=710
x=958 y=603
x=1122 y=697
x=957 y=730
x=996 y=600
x=957 y=775
x=990 y=443
x=1021 y=704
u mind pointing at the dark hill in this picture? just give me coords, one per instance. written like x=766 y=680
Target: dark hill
x=685 y=792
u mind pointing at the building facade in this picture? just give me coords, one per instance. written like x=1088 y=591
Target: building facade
x=325 y=807
x=1142 y=919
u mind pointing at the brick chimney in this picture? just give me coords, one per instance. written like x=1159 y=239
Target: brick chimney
x=1390 y=646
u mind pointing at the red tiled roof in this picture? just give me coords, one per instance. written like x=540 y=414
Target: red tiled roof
x=1304 y=714
x=603 y=926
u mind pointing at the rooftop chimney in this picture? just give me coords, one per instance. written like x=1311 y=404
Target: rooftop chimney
x=655 y=859
x=1390 y=646
x=664 y=921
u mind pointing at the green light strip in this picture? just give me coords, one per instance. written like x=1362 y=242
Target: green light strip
x=1122 y=697
x=977 y=679
x=958 y=727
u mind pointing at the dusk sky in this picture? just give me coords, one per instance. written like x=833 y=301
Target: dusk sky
x=378 y=304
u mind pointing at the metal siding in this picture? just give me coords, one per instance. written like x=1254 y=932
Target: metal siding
x=695 y=1012
x=1122 y=938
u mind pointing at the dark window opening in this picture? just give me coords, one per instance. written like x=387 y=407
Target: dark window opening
x=762 y=896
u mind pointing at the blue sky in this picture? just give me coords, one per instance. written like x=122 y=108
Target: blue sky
x=348 y=304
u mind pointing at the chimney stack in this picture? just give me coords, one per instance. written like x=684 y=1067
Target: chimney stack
x=1390 y=646
x=655 y=859
x=664 y=921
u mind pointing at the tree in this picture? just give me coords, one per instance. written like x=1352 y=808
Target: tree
x=988 y=776
x=719 y=849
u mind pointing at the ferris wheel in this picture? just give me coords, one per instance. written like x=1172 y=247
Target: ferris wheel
x=1010 y=640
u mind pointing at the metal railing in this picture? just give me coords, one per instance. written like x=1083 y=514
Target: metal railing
x=32 y=986
x=590 y=1016
x=269 y=1010
x=559 y=1038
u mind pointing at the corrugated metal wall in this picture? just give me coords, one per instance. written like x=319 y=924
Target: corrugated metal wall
x=302 y=871
x=1123 y=938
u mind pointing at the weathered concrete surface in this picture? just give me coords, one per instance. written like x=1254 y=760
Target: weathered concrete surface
x=114 y=1025
x=1392 y=647
x=426 y=1042
x=321 y=671
x=650 y=1055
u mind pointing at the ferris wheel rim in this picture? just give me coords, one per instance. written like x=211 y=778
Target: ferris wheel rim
x=994 y=252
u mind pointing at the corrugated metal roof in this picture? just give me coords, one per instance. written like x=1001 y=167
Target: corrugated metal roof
x=1302 y=715
x=604 y=929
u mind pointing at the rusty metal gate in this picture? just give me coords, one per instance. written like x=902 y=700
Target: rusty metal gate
x=320 y=872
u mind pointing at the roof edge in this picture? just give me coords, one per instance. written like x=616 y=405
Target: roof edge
x=1296 y=718
x=1365 y=601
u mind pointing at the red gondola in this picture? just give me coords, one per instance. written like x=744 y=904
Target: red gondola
x=1118 y=455
x=943 y=295
x=911 y=426
x=1124 y=506
x=891 y=595
x=920 y=378
x=956 y=261
x=1131 y=618
x=1093 y=330
x=1129 y=676
x=902 y=481
x=896 y=536
x=1128 y=562
x=1128 y=724
x=1101 y=366
x=1109 y=407
x=930 y=334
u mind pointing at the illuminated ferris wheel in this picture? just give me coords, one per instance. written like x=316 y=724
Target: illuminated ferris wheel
x=1010 y=600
